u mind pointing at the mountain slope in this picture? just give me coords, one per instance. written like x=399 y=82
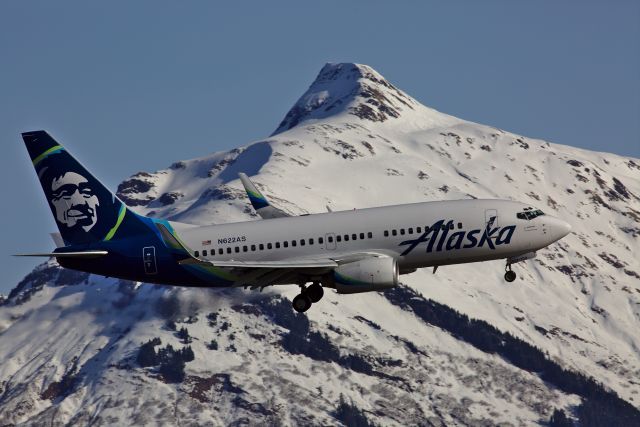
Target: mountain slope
x=353 y=140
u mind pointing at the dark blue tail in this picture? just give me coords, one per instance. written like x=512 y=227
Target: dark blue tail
x=84 y=209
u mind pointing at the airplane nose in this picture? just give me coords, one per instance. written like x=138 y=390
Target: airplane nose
x=559 y=228
x=565 y=228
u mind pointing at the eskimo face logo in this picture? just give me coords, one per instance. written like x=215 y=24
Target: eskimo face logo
x=74 y=201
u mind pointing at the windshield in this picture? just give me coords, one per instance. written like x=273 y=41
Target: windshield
x=529 y=214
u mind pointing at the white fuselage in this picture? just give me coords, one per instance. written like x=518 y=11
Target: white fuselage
x=476 y=230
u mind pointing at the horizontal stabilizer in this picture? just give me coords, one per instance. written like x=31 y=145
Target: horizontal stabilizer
x=83 y=254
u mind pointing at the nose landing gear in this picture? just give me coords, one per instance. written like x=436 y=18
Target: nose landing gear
x=307 y=296
x=509 y=274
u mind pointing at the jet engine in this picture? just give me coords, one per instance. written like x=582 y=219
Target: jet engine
x=370 y=274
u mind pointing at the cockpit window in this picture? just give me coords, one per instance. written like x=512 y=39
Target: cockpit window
x=529 y=214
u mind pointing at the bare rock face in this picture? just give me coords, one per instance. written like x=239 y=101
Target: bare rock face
x=353 y=88
x=135 y=191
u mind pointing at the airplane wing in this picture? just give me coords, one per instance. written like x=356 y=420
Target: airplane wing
x=258 y=201
x=295 y=263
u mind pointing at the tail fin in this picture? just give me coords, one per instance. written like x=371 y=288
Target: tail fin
x=84 y=209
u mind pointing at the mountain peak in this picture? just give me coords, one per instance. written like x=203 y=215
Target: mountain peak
x=356 y=89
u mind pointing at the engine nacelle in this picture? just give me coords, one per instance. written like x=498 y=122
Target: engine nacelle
x=371 y=274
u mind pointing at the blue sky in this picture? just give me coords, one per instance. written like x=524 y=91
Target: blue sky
x=130 y=86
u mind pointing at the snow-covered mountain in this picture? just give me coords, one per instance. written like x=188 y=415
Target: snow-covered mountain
x=70 y=344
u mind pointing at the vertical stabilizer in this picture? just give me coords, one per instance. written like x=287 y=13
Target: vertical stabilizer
x=84 y=209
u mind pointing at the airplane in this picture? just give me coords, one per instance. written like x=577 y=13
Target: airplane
x=360 y=250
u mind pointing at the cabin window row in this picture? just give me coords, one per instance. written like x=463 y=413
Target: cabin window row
x=411 y=230
x=284 y=244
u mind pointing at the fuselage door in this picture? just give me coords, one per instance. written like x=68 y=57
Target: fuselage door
x=330 y=241
x=149 y=260
x=491 y=217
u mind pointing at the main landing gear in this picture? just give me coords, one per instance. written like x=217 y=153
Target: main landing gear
x=509 y=274
x=307 y=296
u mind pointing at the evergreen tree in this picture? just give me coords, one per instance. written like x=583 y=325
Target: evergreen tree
x=147 y=355
x=183 y=334
x=187 y=354
x=351 y=415
x=172 y=369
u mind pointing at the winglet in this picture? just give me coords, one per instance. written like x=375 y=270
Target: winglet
x=258 y=201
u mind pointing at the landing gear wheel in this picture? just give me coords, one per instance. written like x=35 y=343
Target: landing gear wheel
x=301 y=303
x=314 y=292
x=510 y=276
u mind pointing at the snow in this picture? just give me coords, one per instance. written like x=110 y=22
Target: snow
x=579 y=300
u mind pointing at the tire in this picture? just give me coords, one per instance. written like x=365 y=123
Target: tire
x=510 y=276
x=301 y=303
x=315 y=292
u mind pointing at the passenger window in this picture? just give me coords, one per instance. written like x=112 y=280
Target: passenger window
x=338 y=238
x=196 y=254
x=361 y=236
x=410 y=231
x=277 y=245
x=220 y=251
x=286 y=243
x=370 y=235
x=229 y=250
x=261 y=246
x=293 y=243
x=311 y=241
x=253 y=248
x=269 y=246
x=354 y=237
x=386 y=233
x=320 y=240
x=204 y=253
x=459 y=225
x=346 y=237
x=245 y=249
x=418 y=230
x=302 y=242
x=394 y=232
x=330 y=238
x=451 y=226
x=237 y=249
x=402 y=231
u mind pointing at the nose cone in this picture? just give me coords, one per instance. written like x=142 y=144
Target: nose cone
x=558 y=228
